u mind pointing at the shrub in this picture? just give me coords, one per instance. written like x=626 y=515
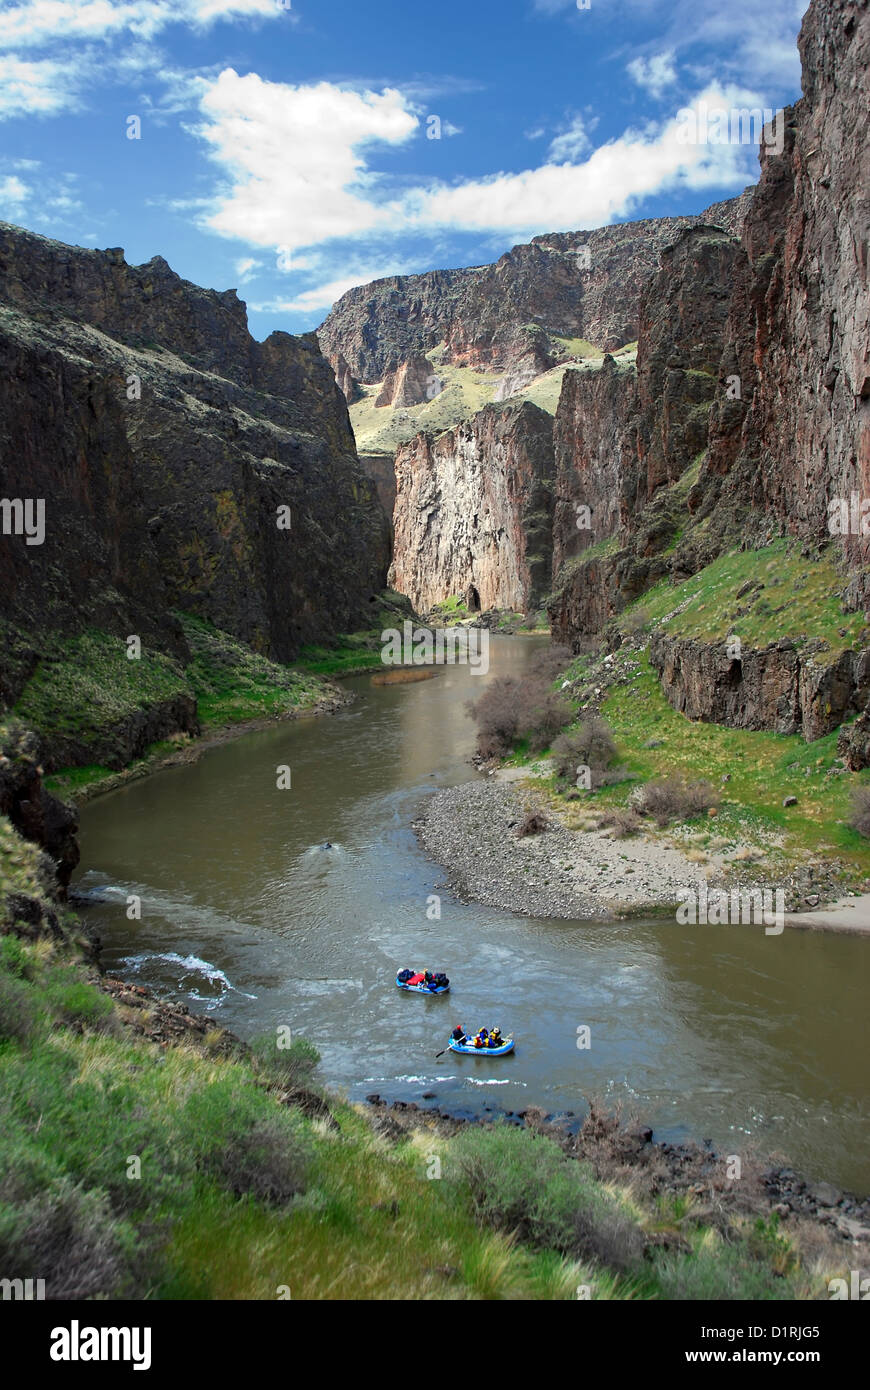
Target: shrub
x=550 y=662
x=533 y=823
x=269 y=1162
x=542 y=713
x=860 y=817
x=672 y=798
x=497 y=716
x=721 y=1272
x=510 y=709
x=592 y=744
x=521 y=1181
x=17 y=1008
x=623 y=822
x=69 y=1237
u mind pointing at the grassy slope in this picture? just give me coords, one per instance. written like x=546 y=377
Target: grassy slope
x=799 y=597
x=214 y=1215
x=380 y=429
x=86 y=683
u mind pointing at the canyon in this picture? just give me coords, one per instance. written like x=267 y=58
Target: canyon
x=743 y=416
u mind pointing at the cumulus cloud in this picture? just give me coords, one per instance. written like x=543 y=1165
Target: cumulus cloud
x=297 y=176
x=654 y=74
x=295 y=158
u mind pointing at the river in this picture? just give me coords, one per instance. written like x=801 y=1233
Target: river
x=718 y=1033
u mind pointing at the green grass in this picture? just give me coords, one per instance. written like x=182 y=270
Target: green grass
x=381 y=429
x=800 y=598
x=87 y=683
x=352 y=652
x=763 y=768
x=233 y=684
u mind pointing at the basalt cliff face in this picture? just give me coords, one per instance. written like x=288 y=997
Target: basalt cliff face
x=502 y=317
x=799 y=323
x=752 y=360
x=473 y=513
x=163 y=440
x=626 y=437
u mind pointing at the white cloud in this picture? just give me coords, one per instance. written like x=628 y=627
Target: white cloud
x=38 y=23
x=14 y=194
x=654 y=74
x=571 y=144
x=754 y=44
x=245 y=267
x=294 y=157
x=34 y=88
x=297 y=177
x=609 y=184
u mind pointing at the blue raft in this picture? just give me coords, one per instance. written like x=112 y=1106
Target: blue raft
x=507 y=1046
x=422 y=989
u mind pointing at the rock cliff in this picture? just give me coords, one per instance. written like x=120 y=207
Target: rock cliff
x=799 y=322
x=473 y=513
x=506 y=316
x=163 y=440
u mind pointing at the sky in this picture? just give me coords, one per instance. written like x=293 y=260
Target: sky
x=294 y=148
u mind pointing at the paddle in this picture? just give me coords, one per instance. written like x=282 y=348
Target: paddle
x=446 y=1049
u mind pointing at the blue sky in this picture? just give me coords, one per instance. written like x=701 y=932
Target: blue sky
x=287 y=147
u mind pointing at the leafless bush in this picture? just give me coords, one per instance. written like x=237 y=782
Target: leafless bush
x=672 y=798
x=591 y=745
x=497 y=716
x=533 y=823
x=510 y=709
x=624 y=821
x=550 y=662
x=542 y=713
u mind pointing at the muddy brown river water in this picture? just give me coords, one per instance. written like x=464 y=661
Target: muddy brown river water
x=711 y=1032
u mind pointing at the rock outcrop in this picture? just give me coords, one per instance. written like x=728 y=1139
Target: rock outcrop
x=498 y=317
x=473 y=513
x=34 y=813
x=777 y=687
x=624 y=438
x=164 y=440
x=411 y=383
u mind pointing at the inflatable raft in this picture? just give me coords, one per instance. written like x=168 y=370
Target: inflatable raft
x=423 y=989
x=507 y=1046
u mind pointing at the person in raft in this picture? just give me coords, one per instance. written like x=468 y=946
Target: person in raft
x=458 y=1035
x=416 y=979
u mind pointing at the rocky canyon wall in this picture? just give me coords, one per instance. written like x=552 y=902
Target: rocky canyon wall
x=473 y=513
x=163 y=439
x=799 y=322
